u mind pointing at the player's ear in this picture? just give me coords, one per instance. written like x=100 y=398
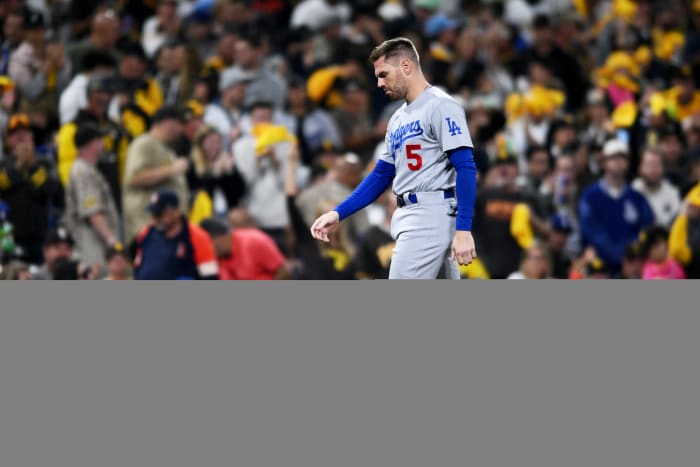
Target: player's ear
x=405 y=66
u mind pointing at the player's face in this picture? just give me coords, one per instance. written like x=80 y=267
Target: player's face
x=389 y=79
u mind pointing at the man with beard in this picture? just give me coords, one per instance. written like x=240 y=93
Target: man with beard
x=611 y=213
x=663 y=197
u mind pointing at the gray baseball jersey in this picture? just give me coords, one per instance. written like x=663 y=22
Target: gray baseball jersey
x=418 y=136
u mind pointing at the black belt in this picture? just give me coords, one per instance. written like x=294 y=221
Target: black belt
x=413 y=198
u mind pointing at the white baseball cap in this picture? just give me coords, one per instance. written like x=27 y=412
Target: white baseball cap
x=614 y=147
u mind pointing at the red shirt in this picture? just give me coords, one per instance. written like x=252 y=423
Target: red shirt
x=254 y=256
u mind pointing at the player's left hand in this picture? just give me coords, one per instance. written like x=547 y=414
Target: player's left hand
x=463 y=249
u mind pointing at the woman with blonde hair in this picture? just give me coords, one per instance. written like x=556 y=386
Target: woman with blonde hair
x=213 y=174
x=535 y=264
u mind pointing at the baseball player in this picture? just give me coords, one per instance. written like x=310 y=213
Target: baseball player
x=429 y=160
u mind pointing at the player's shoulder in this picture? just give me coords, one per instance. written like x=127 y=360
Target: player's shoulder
x=439 y=96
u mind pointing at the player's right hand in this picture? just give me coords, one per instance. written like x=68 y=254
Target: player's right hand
x=325 y=225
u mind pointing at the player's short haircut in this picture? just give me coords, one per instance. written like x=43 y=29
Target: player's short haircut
x=397 y=47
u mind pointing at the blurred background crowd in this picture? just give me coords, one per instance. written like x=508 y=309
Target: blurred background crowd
x=158 y=139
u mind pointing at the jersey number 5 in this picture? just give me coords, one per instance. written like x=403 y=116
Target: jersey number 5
x=416 y=161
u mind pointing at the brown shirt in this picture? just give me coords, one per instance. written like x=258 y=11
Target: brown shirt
x=89 y=193
x=144 y=153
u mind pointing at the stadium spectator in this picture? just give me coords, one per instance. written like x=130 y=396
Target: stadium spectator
x=58 y=245
x=562 y=65
x=557 y=244
x=152 y=166
x=245 y=253
x=353 y=119
x=376 y=246
x=12 y=37
x=249 y=59
x=225 y=55
x=91 y=210
x=104 y=35
x=178 y=66
x=494 y=228
x=239 y=218
x=213 y=173
x=684 y=238
x=334 y=260
x=263 y=166
x=340 y=180
x=170 y=247
x=138 y=94
x=597 y=116
x=663 y=197
x=73 y=270
x=611 y=213
x=315 y=129
x=74 y=98
x=118 y=264
x=15 y=270
x=443 y=33
x=658 y=264
x=539 y=165
x=536 y=263
x=632 y=262
x=671 y=148
x=29 y=186
x=116 y=139
x=224 y=114
x=193 y=120
x=165 y=24
x=41 y=70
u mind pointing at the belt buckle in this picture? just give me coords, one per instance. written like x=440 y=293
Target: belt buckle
x=406 y=199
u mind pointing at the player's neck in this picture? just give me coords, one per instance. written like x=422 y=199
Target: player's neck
x=416 y=90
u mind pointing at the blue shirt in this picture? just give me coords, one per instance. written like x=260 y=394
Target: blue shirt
x=609 y=223
x=187 y=256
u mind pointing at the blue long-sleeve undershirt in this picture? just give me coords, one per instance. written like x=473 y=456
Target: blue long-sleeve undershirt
x=368 y=190
x=462 y=160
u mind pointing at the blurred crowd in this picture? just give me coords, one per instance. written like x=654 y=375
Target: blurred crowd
x=161 y=139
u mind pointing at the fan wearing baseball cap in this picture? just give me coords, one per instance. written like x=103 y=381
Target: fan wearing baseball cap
x=91 y=211
x=611 y=212
x=58 y=245
x=41 y=70
x=171 y=247
x=28 y=185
